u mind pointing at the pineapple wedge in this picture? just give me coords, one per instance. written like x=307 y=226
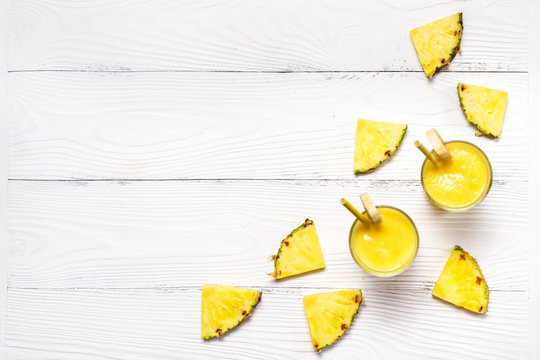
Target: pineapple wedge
x=299 y=252
x=224 y=307
x=330 y=315
x=483 y=107
x=462 y=283
x=375 y=142
x=437 y=43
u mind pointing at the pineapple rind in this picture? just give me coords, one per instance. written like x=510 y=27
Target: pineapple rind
x=451 y=55
x=465 y=256
x=285 y=243
x=241 y=318
x=305 y=224
x=358 y=295
x=319 y=349
x=386 y=154
x=454 y=50
x=470 y=117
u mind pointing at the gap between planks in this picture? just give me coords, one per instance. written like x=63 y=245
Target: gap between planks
x=390 y=289
x=402 y=181
x=265 y=71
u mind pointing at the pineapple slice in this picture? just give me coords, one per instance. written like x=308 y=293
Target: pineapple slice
x=224 y=307
x=483 y=107
x=437 y=43
x=462 y=283
x=375 y=142
x=330 y=315
x=299 y=252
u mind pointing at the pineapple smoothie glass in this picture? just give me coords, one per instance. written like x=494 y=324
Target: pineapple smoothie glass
x=459 y=182
x=383 y=248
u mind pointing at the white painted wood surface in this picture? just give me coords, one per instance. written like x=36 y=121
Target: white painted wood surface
x=165 y=324
x=157 y=145
x=283 y=35
x=186 y=233
x=3 y=174
x=240 y=126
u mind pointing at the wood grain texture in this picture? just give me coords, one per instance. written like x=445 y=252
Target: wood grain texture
x=186 y=233
x=248 y=126
x=165 y=324
x=257 y=35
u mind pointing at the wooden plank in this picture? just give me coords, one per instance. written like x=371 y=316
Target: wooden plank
x=257 y=35
x=142 y=234
x=165 y=324
x=250 y=126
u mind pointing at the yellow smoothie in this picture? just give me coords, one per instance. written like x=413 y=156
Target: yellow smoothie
x=461 y=182
x=385 y=249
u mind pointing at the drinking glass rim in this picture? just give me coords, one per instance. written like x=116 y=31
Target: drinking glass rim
x=453 y=209
x=387 y=273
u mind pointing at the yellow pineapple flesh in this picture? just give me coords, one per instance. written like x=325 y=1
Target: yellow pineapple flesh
x=299 y=252
x=330 y=315
x=437 y=43
x=375 y=142
x=483 y=107
x=224 y=307
x=462 y=283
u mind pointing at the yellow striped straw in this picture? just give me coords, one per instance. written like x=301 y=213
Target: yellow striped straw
x=425 y=151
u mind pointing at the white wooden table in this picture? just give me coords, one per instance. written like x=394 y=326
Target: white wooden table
x=154 y=146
